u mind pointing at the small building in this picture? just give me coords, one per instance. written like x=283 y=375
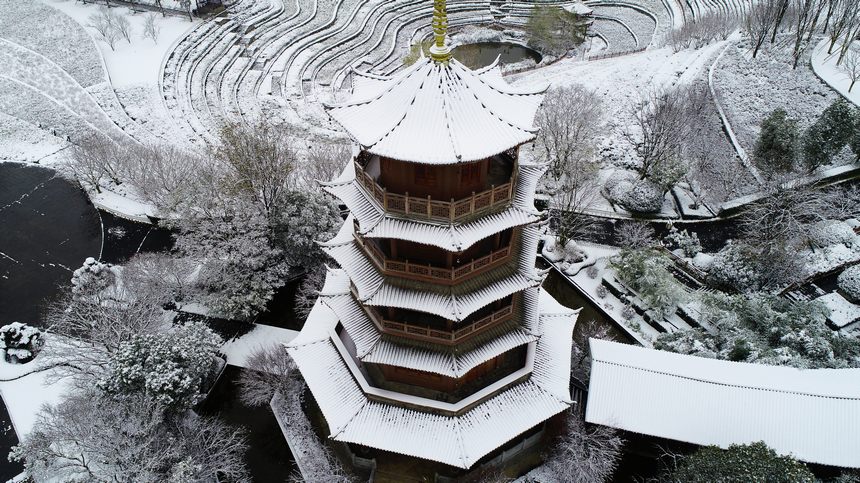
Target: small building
x=812 y=414
x=433 y=339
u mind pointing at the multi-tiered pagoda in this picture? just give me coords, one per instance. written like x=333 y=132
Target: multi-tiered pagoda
x=434 y=339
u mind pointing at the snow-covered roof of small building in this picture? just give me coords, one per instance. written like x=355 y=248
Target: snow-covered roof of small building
x=374 y=222
x=371 y=346
x=459 y=438
x=453 y=303
x=438 y=113
x=578 y=8
x=813 y=415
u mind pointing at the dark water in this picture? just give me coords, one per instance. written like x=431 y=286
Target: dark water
x=47 y=229
x=481 y=54
x=268 y=457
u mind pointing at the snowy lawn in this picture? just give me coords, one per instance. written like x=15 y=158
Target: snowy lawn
x=750 y=89
x=24 y=142
x=38 y=27
x=825 y=66
x=24 y=397
x=138 y=62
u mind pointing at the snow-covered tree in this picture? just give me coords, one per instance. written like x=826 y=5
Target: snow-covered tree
x=90 y=436
x=323 y=161
x=851 y=66
x=570 y=121
x=308 y=291
x=661 y=122
x=683 y=240
x=170 y=368
x=161 y=278
x=302 y=220
x=93 y=279
x=94 y=160
x=777 y=147
x=737 y=464
x=584 y=453
x=151 y=29
x=849 y=282
x=645 y=272
x=554 y=31
x=830 y=133
x=261 y=161
x=241 y=269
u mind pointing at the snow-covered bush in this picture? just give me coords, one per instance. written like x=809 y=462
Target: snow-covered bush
x=636 y=195
x=684 y=241
x=592 y=272
x=584 y=452
x=92 y=278
x=645 y=272
x=730 y=267
x=601 y=291
x=831 y=232
x=241 y=269
x=849 y=282
x=170 y=368
x=20 y=342
x=765 y=329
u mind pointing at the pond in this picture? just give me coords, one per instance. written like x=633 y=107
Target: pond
x=47 y=228
x=482 y=54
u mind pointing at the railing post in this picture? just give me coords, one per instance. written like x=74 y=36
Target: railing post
x=428 y=205
x=385 y=199
x=406 y=203
x=472 y=203
x=451 y=210
x=492 y=194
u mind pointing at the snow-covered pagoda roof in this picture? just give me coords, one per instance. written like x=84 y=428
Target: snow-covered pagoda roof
x=456 y=434
x=372 y=346
x=812 y=414
x=453 y=303
x=438 y=113
x=375 y=222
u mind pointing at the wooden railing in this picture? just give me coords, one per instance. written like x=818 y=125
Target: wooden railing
x=446 y=337
x=427 y=207
x=429 y=273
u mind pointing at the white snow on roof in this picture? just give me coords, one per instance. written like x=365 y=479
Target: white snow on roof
x=438 y=113
x=375 y=289
x=371 y=347
x=842 y=312
x=813 y=415
x=374 y=222
x=458 y=440
x=578 y=9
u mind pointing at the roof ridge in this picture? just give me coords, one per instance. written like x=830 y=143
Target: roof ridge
x=726 y=384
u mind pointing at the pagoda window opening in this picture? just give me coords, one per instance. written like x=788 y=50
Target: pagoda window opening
x=420 y=253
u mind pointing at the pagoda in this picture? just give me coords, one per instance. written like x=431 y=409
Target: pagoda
x=434 y=339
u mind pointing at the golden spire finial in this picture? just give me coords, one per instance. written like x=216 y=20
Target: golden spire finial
x=440 y=51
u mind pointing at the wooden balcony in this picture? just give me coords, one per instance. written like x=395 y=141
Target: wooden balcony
x=426 y=207
x=428 y=273
x=402 y=329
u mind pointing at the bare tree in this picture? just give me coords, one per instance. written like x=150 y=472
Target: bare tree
x=159 y=4
x=104 y=25
x=123 y=26
x=779 y=9
x=846 y=16
x=851 y=65
x=164 y=174
x=807 y=14
x=186 y=5
x=96 y=158
x=570 y=121
x=580 y=366
x=634 y=234
x=757 y=23
x=151 y=28
x=261 y=159
x=270 y=371
x=324 y=161
x=90 y=436
x=159 y=278
x=585 y=453
x=309 y=289
x=661 y=123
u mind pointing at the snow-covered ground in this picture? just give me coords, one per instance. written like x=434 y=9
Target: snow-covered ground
x=24 y=397
x=260 y=337
x=824 y=65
